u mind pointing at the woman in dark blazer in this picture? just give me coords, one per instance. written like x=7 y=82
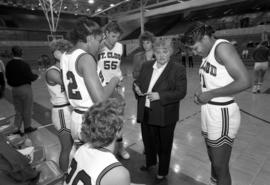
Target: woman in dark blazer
x=159 y=88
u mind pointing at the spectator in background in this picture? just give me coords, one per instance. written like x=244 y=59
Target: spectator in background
x=2 y=79
x=261 y=56
x=159 y=88
x=245 y=53
x=184 y=55
x=176 y=56
x=19 y=77
x=146 y=41
x=190 y=58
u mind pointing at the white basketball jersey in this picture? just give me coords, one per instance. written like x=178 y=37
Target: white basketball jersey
x=89 y=165
x=75 y=87
x=214 y=75
x=56 y=91
x=109 y=61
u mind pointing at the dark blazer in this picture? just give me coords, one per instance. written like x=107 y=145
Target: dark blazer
x=171 y=86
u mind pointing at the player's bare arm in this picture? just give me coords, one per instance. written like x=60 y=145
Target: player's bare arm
x=228 y=56
x=117 y=176
x=54 y=76
x=87 y=68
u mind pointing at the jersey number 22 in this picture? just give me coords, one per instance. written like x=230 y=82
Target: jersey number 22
x=72 y=86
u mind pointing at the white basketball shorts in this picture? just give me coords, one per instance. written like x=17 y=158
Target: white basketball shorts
x=76 y=124
x=61 y=118
x=220 y=122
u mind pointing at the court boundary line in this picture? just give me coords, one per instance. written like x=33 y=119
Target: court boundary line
x=254 y=116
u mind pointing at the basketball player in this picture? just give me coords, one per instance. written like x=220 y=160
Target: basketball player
x=94 y=162
x=61 y=111
x=111 y=51
x=222 y=74
x=109 y=60
x=79 y=72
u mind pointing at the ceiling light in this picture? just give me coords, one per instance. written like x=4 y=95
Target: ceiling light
x=91 y=1
x=99 y=9
x=111 y=5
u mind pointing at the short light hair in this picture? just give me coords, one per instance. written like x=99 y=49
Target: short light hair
x=102 y=121
x=61 y=45
x=114 y=27
x=164 y=43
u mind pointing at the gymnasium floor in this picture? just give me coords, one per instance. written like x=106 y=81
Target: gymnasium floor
x=250 y=161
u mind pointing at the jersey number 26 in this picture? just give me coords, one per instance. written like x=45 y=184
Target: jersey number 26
x=81 y=176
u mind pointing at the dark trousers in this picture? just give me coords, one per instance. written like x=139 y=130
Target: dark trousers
x=190 y=61
x=184 y=61
x=158 y=143
x=23 y=101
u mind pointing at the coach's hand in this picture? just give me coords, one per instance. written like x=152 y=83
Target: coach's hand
x=153 y=96
x=137 y=90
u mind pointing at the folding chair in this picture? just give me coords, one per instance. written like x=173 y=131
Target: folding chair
x=6 y=127
x=16 y=140
x=50 y=173
x=39 y=155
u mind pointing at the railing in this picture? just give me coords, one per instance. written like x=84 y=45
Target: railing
x=11 y=34
x=244 y=31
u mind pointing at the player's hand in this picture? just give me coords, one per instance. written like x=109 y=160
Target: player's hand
x=203 y=97
x=120 y=90
x=120 y=84
x=115 y=80
x=153 y=96
x=137 y=90
x=196 y=100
